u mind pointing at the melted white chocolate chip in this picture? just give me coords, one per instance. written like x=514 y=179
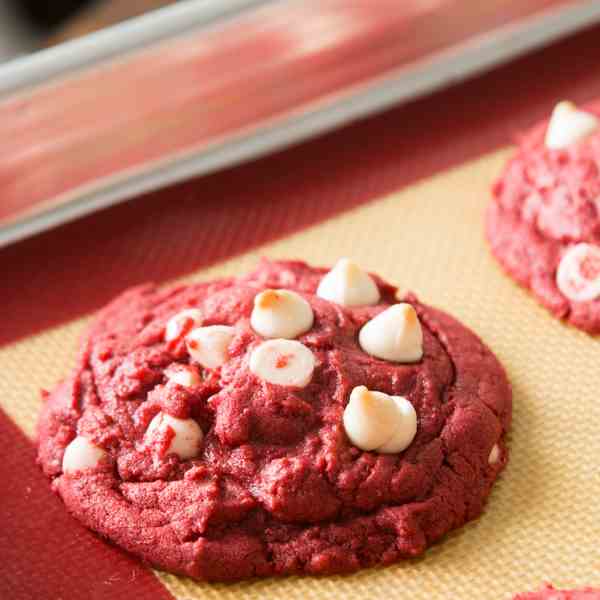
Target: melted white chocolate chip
x=569 y=125
x=283 y=362
x=281 y=314
x=186 y=435
x=208 y=346
x=494 y=456
x=347 y=284
x=394 y=334
x=183 y=375
x=181 y=323
x=377 y=421
x=578 y=274
x=81 y=454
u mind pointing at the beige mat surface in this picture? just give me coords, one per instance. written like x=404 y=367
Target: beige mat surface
x=542 y=522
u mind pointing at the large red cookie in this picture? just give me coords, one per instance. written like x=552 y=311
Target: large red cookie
x=546 y=213
x=550 y=593
x=277 y=487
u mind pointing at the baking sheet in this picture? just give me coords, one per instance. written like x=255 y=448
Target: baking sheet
x=542 y=522
x=190 y=89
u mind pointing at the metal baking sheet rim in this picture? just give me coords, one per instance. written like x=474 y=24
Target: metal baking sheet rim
x=475 y=56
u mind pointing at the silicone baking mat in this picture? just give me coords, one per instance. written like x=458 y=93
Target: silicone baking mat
x=404 y=195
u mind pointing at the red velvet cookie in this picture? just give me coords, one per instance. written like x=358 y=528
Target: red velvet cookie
x=550 y=593
x=288 y=421
x=543 y=224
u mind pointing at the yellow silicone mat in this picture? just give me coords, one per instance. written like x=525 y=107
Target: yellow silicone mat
x=542 y=521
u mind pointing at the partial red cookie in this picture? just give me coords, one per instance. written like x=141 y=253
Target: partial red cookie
x=288 y=421
x=543 y=223
x=550 y=593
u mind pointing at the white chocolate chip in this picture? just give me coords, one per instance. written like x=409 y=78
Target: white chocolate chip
x=186 y=435
x=281 y=314
x=81 y=454
x=394 y=334
x=369 y=418
x=283 y=362
x=347 y=284
x=569 y=125
x=181 y=323
x=578 y=274
x=208 y=345
x=377 y=421
x=183 y=375
x=494 y=456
